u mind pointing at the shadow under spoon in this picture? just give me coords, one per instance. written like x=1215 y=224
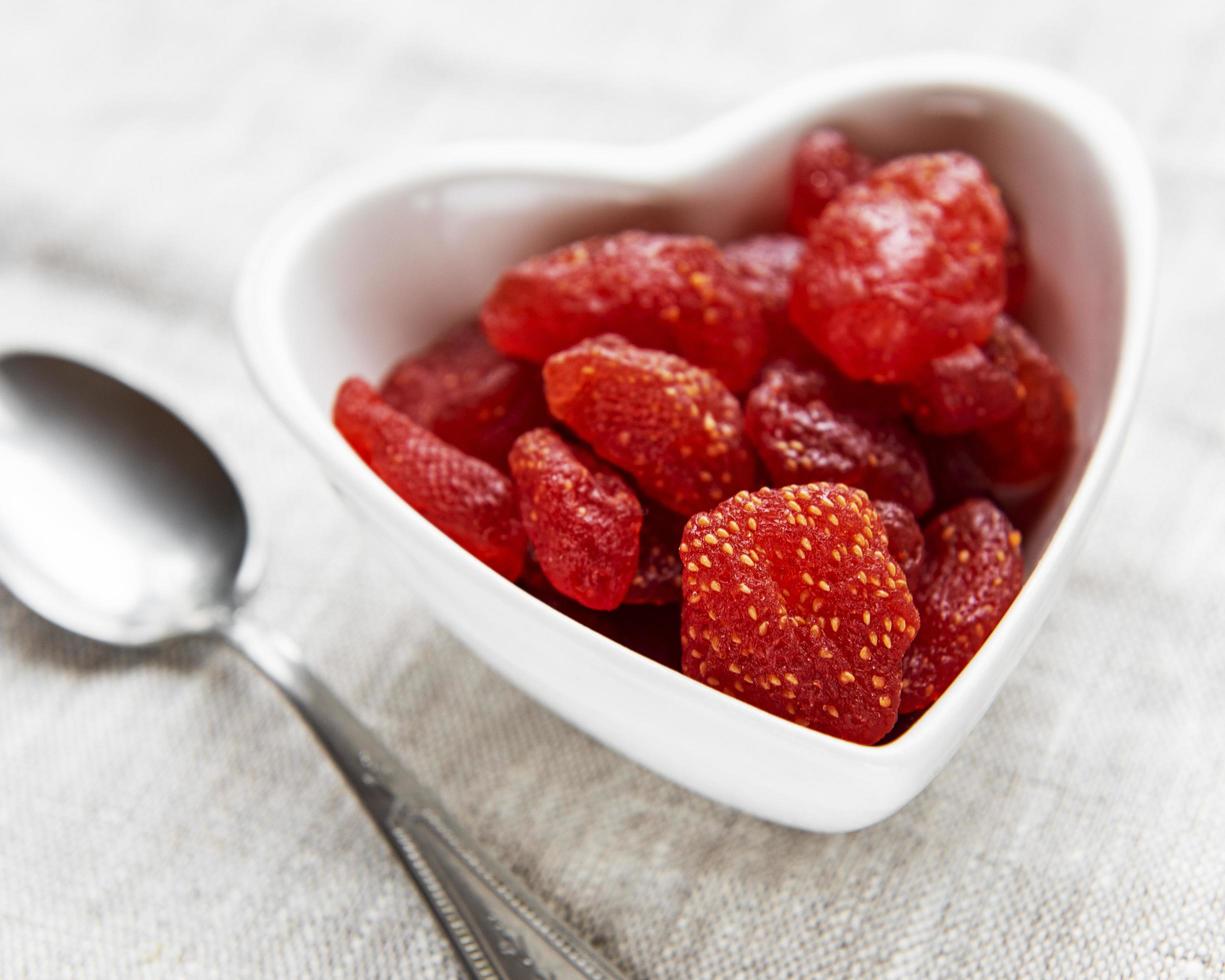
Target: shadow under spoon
x=118 y=523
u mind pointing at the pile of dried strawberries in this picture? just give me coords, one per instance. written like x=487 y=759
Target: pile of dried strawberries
x=785 y=465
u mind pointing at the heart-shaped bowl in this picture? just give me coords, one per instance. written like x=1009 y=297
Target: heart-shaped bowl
x=382 y=260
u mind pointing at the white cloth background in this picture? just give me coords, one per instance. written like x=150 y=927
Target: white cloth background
x=165 y=816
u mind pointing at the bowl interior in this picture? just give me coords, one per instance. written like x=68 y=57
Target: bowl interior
x=415 y=255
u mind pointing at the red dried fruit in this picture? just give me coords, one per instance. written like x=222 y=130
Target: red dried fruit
x=905 y=536
x=468 y=394
x=1031 y=445
x=465 y=498
x=903 y=267
x=653 y=631
x=1016 y=266
x=969 y=389
x=766 y=265
x=808 y=426
x=970 y=575
x=658 y=579
x=672 y=426
x=824 y=163
x=668 y=292
x=581 y=518
x=792 y=604
x=904 y=723
x=954 y=473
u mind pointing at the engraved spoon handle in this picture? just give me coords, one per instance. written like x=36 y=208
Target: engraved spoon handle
x=496 y=927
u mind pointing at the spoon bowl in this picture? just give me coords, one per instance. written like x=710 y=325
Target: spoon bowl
x=158 y=550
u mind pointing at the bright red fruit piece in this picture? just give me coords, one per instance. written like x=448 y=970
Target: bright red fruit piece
x=669 y=292
x=465 y=498
x=581 y=518
x=792 y=604
x=809 y=426
x=766 y=265
x=672 y=426
x=658 y=579
x=824 y=163
x=970 y=388
x=903 y=267
x=1031 y=445
x=1016 y=266
x=971 y=572
x=905 y=536
x=468 y=394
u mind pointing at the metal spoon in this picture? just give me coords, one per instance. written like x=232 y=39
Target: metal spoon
x=118 y=523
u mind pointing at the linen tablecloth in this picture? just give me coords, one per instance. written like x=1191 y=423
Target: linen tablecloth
x=166 y=816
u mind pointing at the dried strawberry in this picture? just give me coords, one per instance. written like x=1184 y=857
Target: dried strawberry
x=465 y=498
x=904 y=724
x=809 y=426
x=969 y=389
x=672 y=426
x=792 y=604
x=971 y=572
x=669 y=292
x=825 y=161
x=903 y=267
x=468 y=394
x=1031 y=445
x=955 y=474
x=766 y=265
x=905 y=536
x=653 y=631
x=582 y=519
x=1016 y=265
x=658 y=579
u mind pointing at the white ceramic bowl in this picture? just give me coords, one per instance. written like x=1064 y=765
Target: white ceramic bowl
x=380 y=261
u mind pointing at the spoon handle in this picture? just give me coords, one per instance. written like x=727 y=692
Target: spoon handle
x=497 y=928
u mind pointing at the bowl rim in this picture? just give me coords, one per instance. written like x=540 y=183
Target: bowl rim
x=1114 y=147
